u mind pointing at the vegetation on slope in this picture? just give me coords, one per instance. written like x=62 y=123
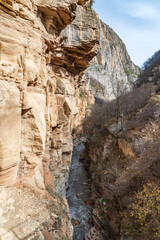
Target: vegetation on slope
x=123 y=139
x=150 y=70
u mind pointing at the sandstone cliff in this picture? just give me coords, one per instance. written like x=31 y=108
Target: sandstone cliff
x=44 y=49
x=111 y=71
x=40 y=71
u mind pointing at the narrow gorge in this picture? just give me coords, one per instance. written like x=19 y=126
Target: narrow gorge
x=79 y=195
x=64 y=164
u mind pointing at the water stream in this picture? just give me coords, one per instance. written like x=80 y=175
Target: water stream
x=77 y=193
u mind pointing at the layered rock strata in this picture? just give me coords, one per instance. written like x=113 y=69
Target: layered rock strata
x=44 y=48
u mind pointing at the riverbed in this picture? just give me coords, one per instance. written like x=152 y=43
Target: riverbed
x=77 y=193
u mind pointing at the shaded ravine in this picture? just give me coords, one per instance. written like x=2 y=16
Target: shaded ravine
x=80 y=213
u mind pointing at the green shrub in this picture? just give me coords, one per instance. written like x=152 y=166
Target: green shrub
x=92 y=2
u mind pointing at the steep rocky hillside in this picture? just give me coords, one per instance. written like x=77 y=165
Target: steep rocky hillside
x=151 y=70
x=111 y=67
x=45 y=48
x=122 y=157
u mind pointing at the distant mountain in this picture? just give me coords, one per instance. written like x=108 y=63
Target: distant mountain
x=151 y=70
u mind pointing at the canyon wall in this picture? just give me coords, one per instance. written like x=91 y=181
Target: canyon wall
x=44 y=48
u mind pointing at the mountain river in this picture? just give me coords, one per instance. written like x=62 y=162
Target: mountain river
x=77 y=194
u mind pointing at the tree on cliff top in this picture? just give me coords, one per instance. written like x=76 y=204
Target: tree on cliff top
x=150 y=70
x=152 y=62
x=92 y=2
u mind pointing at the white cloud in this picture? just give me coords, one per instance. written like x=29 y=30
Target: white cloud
x=142 y=10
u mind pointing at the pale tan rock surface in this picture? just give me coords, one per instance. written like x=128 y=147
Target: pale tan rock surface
x=42 y=101
x=45 y=47
x=40 y=85
x=92 y=234
x=24 y=214
x=10 y=130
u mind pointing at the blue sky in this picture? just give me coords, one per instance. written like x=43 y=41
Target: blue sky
x=136 y=22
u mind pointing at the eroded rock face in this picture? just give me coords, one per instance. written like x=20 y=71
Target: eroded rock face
x=81 y=45
x=10 y=128
x=40 y=84
x=111 y=71
x=25 y=214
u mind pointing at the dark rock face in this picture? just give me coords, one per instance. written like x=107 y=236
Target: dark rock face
x=124 y=167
